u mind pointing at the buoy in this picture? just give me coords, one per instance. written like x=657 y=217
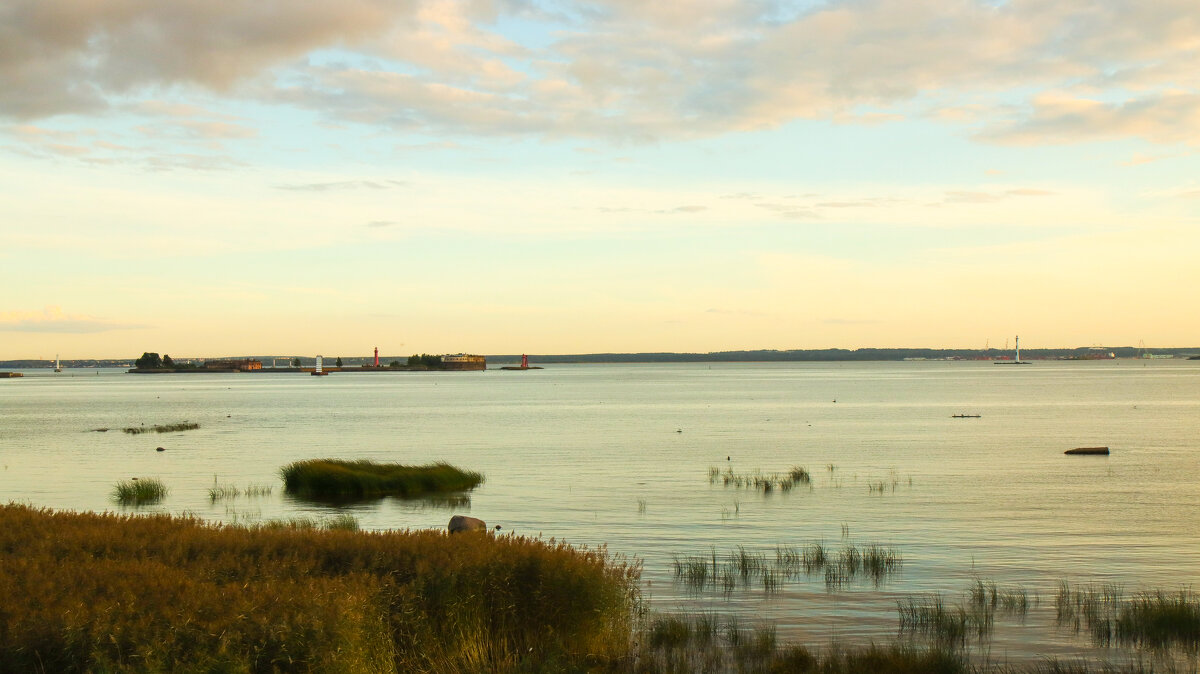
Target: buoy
x=159 y=449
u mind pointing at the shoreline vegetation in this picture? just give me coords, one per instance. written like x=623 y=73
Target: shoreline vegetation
x=128 y=593
x=106 y=592
x=338 y=479
x=747 y=356
x=160 y=428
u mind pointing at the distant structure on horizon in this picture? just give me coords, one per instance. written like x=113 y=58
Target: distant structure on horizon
x=464 y=361
x=240 y=365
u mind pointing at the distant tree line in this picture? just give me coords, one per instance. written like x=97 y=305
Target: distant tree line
x=151 y=361
x=825 y=355
x=425 y=360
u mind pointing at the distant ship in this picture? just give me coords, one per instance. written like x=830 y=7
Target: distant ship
x=57 y=364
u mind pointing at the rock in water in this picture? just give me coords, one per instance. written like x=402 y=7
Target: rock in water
x=460 y=523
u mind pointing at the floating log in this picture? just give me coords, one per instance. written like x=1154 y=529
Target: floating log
x=1088 y=450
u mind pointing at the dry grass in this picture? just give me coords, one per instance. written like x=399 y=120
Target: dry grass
x=104 y=592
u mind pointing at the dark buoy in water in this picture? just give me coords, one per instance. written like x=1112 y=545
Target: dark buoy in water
x=727 y=458
x=160 y=449
x=678 y=430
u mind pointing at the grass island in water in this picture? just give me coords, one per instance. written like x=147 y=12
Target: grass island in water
x=337 y=479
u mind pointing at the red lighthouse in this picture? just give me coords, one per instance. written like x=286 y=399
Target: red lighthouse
x=377 y=356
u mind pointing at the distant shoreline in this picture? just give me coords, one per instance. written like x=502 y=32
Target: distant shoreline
x=754 y=356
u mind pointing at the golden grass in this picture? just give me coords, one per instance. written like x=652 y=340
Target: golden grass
x=106 y=592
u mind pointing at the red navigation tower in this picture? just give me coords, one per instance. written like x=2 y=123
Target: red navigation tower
x=524 y=361
x=377 y=356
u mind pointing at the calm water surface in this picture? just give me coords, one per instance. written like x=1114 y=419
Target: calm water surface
x=619 y=455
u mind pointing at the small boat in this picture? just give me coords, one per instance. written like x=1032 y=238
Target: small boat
x=965 y=416
x=1096 y=451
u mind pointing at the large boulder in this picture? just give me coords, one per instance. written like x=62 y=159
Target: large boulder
x=460 y=523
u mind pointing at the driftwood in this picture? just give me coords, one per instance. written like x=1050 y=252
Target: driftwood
x=1088 y=450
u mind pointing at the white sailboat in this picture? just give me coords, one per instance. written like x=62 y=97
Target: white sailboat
x=57 y=364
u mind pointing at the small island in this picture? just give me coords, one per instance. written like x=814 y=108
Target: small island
x=151 y=363
x=339 y=479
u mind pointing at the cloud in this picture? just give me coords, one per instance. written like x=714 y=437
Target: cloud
x=1014 y=72
x=64 y=56
x=53 y=320
x=343 y=185
x=851 y=321
x=1059 y=118
x=980 y=197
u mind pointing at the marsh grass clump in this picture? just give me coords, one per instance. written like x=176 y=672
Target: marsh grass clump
x=975 y=618
x=135 y=491
x=798 y=475
x=933 y=618
x=1159 y=619
x=259 y=490
x=340 y=522
x=1092 y=607
x=125 y=593
x=709 y=643
x=746 y=569
x=223 y=492
x=761 y=482
x=1154 y=619
x=167 y=428
x=1009 y=601
x=336 y=479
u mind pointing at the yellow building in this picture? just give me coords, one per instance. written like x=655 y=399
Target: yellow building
x=464 y=361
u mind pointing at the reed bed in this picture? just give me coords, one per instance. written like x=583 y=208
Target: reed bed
x=1006 y=600
x=156 y=593
x=223 y=492
x=1154 y=619
x=336 y=479
x=167 y=428
x=953 y=625
x=944 y=624
x=220 y=492
x=139 y=491
x=746 y=569
x=341 y=522
x=709 y=643
x=761 y=482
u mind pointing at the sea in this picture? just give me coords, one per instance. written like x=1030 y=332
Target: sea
x=634 y=457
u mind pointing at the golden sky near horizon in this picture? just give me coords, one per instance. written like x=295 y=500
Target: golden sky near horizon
x=214 y=178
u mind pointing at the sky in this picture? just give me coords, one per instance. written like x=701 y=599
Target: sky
x=220 y=177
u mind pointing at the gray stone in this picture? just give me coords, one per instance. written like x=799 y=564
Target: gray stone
x=460 y=523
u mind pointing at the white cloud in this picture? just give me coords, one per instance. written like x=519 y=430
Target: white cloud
x=625 y=69
x=53 y=320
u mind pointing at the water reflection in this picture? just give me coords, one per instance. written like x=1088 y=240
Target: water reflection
x=451 y=501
